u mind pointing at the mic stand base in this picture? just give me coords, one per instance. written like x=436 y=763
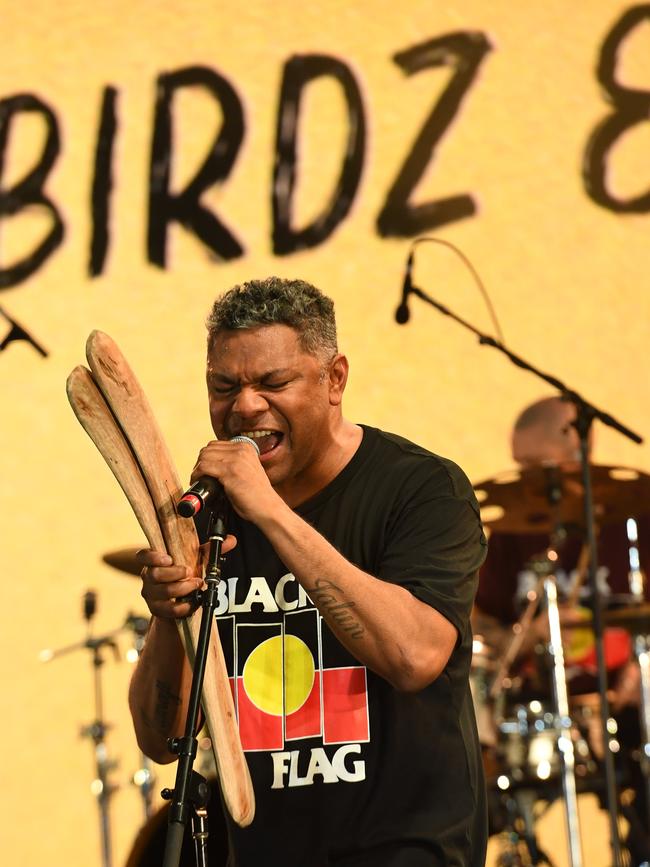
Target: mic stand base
x=198 y=795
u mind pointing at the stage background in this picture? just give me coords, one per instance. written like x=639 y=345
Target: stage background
x=555 y=222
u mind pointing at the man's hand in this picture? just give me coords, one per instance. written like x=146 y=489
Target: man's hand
x=164 y=585
x=237 y=466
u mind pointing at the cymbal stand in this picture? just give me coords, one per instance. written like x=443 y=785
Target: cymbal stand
x=101 y=786
x=641 y=645
x=544 y=568
x=144 y=777
x=519 y=630
x=563 y=721
x=522 y=848
x=642 y=654
x=585 y=415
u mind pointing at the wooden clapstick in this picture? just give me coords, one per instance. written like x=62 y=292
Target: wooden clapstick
x=130 y=407
x=98 y=421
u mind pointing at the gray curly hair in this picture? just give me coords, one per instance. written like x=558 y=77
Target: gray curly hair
x=275 y=300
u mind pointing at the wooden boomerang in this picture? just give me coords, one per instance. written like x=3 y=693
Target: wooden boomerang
x=99 y=423
x=132 y=417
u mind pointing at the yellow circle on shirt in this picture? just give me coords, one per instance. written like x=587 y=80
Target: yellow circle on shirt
x=262 y=675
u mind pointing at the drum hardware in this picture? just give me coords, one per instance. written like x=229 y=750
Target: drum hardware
x=516 y=501
x=101 y=787
x=144 y=777
x=531 y=743
x=557 y=726
x=636 y=619
x=196 y=792
x=481 y=673
x=145 y=780
x=521 y=848
x=519 y=631
x=148 y=846
x=552 y=729
x=527 y=747
x=520 y=499
x=642 y=653
x=124 y=560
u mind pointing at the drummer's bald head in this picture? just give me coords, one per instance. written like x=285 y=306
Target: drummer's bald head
x=543 y=433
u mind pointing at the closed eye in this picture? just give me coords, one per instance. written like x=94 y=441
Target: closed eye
x=224 y=389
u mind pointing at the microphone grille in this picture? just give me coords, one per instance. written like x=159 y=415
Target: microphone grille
x=242 y=439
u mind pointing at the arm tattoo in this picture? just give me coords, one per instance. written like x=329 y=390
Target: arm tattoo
x=167 y=703
x=330 y=600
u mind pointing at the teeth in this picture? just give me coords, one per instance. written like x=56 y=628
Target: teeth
x=256 y=434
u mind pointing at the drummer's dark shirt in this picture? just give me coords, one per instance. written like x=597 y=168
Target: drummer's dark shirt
x=506 y=576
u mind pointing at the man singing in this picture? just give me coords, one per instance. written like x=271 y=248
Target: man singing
x=344 y=609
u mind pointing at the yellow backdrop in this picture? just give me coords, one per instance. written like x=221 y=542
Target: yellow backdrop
x=565 y=266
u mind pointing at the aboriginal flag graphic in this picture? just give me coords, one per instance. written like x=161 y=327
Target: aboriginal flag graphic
x=286 y=687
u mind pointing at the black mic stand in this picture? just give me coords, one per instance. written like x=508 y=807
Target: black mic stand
x=190 y=788
x=586 y=413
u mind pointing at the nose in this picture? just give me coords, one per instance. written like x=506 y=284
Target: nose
x=249 y=403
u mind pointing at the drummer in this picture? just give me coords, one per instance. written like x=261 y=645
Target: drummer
x=544 y=433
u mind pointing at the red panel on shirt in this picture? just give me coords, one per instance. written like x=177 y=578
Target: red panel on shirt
x=305 y=722
x=258 y=730
x=345 y=705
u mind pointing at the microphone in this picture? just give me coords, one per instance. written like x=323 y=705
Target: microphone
x=205 y=489
x=402 y=314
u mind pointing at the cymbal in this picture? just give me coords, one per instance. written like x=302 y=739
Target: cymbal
x=538 y=499
x=124 y=560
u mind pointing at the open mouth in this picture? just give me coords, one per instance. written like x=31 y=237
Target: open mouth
x=266 y=440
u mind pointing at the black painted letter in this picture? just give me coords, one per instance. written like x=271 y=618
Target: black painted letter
x=102 y=182
x=185 y=207
x=464 y=53
x=298 y=72
x=28 y=192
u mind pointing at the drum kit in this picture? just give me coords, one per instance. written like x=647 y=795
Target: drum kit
x=539 y=742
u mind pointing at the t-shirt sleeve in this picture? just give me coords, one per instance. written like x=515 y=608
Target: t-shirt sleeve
x=434 y=546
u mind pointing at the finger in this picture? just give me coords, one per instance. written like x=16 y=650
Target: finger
x=148 y=557
x=172 y=609
x=229 y=543
x=206 y=459
x=168 y=592
x=164 y=599
x=167 y=574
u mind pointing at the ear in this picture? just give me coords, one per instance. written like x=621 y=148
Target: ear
x=338 y=377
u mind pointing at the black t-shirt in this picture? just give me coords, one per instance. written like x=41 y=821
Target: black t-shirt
x=342 y=763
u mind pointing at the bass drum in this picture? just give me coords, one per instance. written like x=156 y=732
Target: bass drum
x=149 y=846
